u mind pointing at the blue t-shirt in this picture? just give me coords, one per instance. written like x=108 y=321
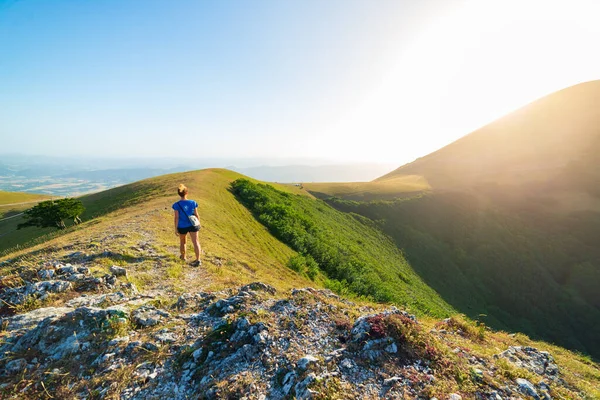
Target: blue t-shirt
x=188 y=207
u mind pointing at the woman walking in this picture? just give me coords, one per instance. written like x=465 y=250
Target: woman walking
x=187 y=221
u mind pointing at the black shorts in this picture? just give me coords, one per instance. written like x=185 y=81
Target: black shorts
x=184 y=231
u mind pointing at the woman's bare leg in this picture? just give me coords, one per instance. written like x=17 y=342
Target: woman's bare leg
x=182 y=242
x=196 y=244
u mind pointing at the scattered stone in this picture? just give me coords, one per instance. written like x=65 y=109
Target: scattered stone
x=31 y=319
x=118 y=271
x=148 y=316
x=83 y=270
x=164 y=336
x=307 y=362
x=67 y=269
x=391 y=381
x=46 y=273
x=347 y=363
x=235 y=343
x=258 y=286
x=76 y=277
x=288 y=382
x=530 y=358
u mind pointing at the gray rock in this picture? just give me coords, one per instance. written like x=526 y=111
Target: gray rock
x=527 y=388
x=148 y=316
x=83 y=270
x=454 y=396
x=16 y=366
x=67 y=347
x=165 y=336
x=307 y=362
x=302 y=390
x=46 y=273
x=258 y=286
x=118 y=271
x=67 y=269
x=31 y=319
x=392 y=348
x=391 y=381
x=52 y=286
x=76 y=277
x=197 y=354
x=347 y=364
x=288 y=382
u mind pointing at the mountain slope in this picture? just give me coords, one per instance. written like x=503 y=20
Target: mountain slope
x=510 y=226
x=533 y=144
x=106 y=310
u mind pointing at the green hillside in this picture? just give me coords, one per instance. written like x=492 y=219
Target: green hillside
x=483 y=259
x=354 y=255
x=7 y=198
x=11 y=205
x=231 y=238
x=253 y=232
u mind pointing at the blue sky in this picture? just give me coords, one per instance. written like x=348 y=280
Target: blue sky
x=337 y=79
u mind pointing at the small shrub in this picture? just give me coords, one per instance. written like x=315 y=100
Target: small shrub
x=378 y=327
x=472 y=330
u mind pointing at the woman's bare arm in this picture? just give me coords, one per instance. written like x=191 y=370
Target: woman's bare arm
x=176 y=221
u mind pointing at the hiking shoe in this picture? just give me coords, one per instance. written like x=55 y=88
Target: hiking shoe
x=196 y=263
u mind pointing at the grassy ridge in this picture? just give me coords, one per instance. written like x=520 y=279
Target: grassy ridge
x=396 y=186
x=245 y=250
x=11 y=205
x=18 y=197
x=540 y=279
x=355 y=256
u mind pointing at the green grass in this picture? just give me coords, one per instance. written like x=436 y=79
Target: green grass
x=19 y=197
x=248 y=252
x=524 y=271
x=355 y=256
x=11 y=205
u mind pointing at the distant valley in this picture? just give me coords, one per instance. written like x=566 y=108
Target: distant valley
x=74 y=177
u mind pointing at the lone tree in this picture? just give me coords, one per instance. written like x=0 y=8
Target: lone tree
x=52 y=213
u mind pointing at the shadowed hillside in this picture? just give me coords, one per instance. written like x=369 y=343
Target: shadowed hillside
x=511 y=224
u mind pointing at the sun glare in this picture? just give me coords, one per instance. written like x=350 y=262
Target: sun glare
x=470 y=66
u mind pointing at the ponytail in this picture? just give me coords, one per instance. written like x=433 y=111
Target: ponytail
x=182 y=190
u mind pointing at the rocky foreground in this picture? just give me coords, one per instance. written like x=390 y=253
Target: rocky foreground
x=68 y=334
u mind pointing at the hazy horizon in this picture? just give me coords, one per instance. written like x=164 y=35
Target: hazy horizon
x=342 y=81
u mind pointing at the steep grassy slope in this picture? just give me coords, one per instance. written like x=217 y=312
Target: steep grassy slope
x=483 y=259
x=355 y=256
x=534 y=144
